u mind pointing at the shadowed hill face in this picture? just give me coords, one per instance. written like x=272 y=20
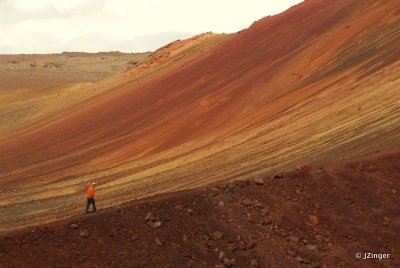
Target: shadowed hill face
x=319 y=81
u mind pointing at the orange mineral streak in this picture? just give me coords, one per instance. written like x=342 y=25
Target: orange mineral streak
x=317 y=82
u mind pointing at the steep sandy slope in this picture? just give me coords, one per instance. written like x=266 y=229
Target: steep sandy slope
x=309 y=218
x=319 y=81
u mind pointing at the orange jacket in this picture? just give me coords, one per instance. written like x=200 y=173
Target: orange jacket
x=90 y=192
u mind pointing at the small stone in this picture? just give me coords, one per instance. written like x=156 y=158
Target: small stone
x=221 y=256
x=266 y=221
x=154 y=225
x=84 y=233
x=386 y=221
x=150 y=217
x=221 y=203
x=179 y=206
x=299 y=259
x=305 y=241
x=311 y=247
x=313 y=220
x=294 y=239
x=394 y=191
x=158 y=242
x=258 y=204
x=232 y=247
x=246 y=202
x=250 y=244
x=292 y=252
x=372 y=168
x=190 y=211
x=253 y=263
x=217 y=235
x=227 y=262
x=258 y=180
x=74 y=226
x=214 y=191
x=119 y=210
x=319 y=238
x=264 y=212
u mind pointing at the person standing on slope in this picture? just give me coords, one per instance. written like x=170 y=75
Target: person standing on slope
x=90 y=198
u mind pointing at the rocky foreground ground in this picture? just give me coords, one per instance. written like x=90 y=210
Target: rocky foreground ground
x=315 y=216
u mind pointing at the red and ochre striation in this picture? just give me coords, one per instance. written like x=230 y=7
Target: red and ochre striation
x=317 y=82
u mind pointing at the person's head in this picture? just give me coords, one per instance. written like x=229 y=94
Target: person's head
x=93 y=184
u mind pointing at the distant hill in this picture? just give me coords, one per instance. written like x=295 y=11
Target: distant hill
x=48 y=70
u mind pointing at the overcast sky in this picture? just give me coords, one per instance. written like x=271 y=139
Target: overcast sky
x=52 y=26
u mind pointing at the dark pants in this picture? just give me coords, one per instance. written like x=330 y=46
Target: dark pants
x=90 y=201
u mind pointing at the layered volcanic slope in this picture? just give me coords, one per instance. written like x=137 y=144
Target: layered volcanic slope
x=302 y=218
x=317 y=82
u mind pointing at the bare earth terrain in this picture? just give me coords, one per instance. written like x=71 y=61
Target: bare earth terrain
x=41 y=71
x=318 y=83
x=317 y=216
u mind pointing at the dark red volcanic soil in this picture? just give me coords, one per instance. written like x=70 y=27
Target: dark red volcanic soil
x=315 y=216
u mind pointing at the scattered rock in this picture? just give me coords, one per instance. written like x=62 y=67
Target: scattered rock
x=217 y=235
x=190 y=211
x=232 y=247
x=227 y=262
x=253 y=263
x=221 y=203
x=246 y=202
x=299 y=259
x=84 y=233
x=319 y=238
x=221 y=256
x=113 y=232
x=158 y=242
x=179 y=206
x=258 y=180
x=150 y=217
x=214 y=191
x=73 y=226
x=154 y=225
x=119 y=210
x=258 y=204
x=394 y=191
x=264 y=212
x=294 y=239
x=372 y=168
x=311 y=247
x=250 y=244
x=386 y=221
x=266 y=221
x=292 y=252
x=313 y=220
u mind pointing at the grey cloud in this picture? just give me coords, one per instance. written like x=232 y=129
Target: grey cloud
x=10 y=15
